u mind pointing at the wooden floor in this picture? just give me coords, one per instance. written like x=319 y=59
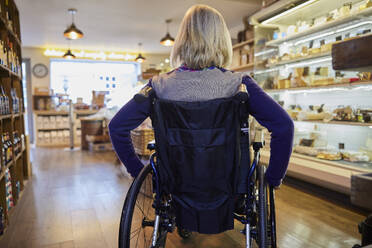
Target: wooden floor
x=75 y=199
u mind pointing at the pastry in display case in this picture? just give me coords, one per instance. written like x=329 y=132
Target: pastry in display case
x=331 y=109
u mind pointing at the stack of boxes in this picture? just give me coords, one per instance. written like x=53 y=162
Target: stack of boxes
x=53 y=130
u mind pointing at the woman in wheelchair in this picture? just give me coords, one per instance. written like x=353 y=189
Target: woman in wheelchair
x=200 y=178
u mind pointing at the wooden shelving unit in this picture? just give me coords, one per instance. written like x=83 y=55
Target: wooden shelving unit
x=243 y=67
x=10 y=78
x=243 y=60
x=65 y=129
x=241 y=44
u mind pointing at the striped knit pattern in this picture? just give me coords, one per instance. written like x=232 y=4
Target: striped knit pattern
x=192 y=86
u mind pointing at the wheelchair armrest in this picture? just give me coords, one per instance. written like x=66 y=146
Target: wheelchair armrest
x=151 y=145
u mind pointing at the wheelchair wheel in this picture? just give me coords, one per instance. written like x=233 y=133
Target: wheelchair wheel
x=138 y=215
x=263 y=241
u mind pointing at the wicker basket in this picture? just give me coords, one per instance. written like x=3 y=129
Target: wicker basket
x=140 y=139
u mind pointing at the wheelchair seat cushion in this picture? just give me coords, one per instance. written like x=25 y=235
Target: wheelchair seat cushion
x=197 y=146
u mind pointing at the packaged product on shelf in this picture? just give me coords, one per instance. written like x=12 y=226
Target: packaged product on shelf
x=66 y=136
x=23 y=142
x=78 y=134
x=365 y=76
x=293 y=111
x=6 y=107
x=7 y=148
x=10 y=147
x=52 y=122
x=244 y=59
x=273 y=60
x=326 y=47
x=329 y=155
x=59 y=121
x=15 y=101
x=354 y=156
x=60 y=137
x=8 y=190
x=53 y=137
x=66 y=122
x=40 y=137
x=47 y=137
x=292 y=29
x=302 y=26
x=343 y=114
x=367 y=4
x=320 y=20
x=345 y=9
x=2 y=53
x=321 y=81
x=284 y=83
x=306 y=150
x=364 y=115
x=17 y=143
x=46 y=122
x=315 y=50
x=299 y=77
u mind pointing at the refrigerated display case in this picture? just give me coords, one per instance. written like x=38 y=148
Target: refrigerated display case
x=332 y=110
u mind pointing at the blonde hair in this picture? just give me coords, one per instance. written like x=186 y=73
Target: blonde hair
x=203 y=40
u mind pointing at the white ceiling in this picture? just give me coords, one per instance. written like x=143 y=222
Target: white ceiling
x=116 y=25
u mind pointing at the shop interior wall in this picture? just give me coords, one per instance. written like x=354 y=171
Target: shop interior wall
x=36 y=55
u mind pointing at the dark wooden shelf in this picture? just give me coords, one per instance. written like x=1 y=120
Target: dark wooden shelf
x=247 y=67
x=2 y=174
x=11 y=32
x=53 y=129
x=18 y=156
x=241 y=44
x=4 y=117
x=6 y=72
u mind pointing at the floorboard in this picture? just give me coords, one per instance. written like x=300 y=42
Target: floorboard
x=75 y=198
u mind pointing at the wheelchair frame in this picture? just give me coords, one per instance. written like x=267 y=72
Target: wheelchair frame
x=252 y=229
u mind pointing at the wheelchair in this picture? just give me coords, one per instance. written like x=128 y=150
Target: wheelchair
x=147 y=214
x=150 y=210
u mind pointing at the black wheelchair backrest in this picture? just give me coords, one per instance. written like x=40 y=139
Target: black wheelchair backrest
x=198 y=157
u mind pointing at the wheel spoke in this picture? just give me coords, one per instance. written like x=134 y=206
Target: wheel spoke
x=139 y=207
x=134 y=232
x=138 y=237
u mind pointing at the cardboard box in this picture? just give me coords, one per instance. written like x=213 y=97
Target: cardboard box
x=43 y=91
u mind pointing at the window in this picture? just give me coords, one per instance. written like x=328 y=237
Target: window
x=79 y=78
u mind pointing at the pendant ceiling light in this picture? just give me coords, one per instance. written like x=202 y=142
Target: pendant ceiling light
x=168 y=40
x=69 y=55
x=72 y=32
x=140 y=58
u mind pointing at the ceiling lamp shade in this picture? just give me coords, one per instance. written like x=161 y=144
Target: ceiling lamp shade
x=69 y=55
x=140 y=58
x=168 y=40
x=72 y=32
